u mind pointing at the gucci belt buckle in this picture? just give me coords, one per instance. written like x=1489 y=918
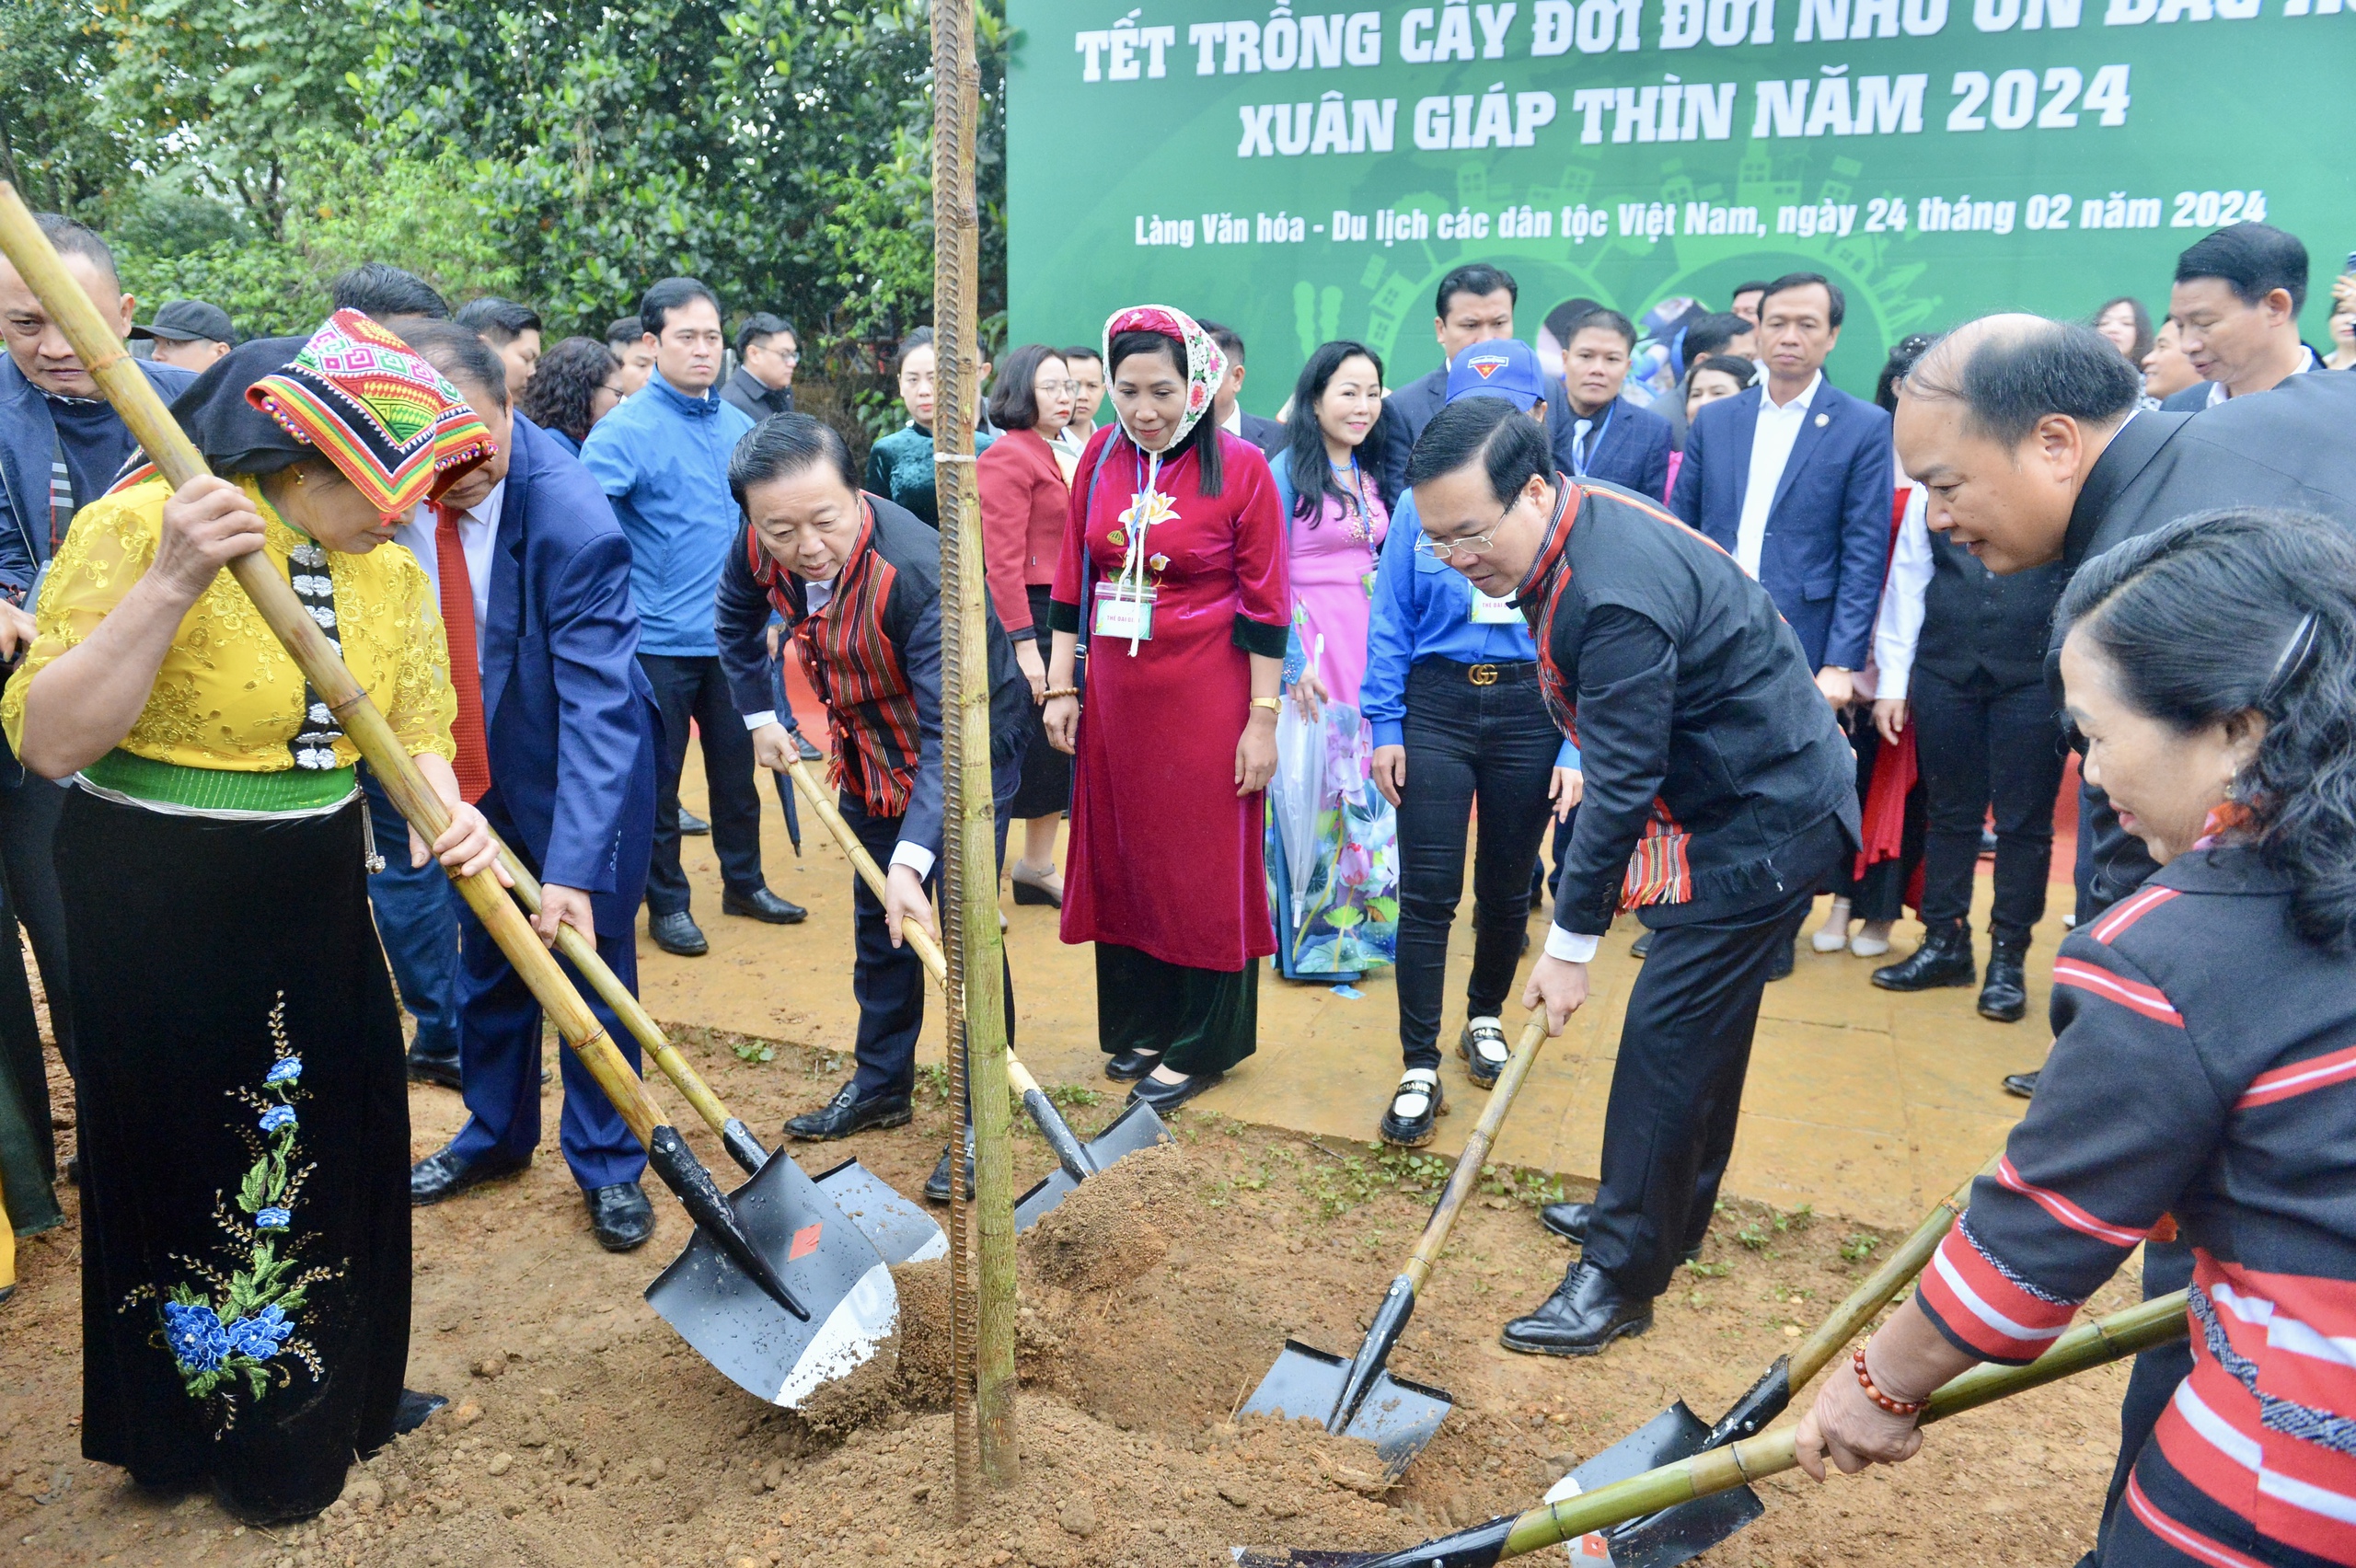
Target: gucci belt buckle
x=1483 y=675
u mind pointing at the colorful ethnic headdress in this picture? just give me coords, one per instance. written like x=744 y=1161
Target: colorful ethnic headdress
x=1206 y=365
x=369 y=403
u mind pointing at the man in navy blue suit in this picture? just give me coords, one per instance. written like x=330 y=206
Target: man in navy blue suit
x=1599 y=434
x=530 y=553
x=1793 y=478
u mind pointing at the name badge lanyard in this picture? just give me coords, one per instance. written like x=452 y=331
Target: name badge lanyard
x=1356 y=491
x=1147 y=507
x=1580 y=459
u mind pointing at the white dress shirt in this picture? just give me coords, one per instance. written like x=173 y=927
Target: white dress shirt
x=478 y=532
x=1898 y=626
x=1771 y=439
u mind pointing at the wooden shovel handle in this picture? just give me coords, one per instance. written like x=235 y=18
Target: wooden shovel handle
x=1461 y=1181
x=177 y=458
x=1017 y=1076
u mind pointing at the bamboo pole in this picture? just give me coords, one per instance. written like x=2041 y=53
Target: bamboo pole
x=177 y=460
x=1467 y=1174
x=975 y=1008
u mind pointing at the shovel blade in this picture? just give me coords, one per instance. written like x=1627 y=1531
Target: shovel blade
x=902 y=1233
x=825 y=1260
x=1136 y=1128
x=1305 y=1381
x=1672 y=1537
x=1399 y=1417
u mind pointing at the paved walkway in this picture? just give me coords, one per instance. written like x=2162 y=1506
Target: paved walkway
x=1866 y=1104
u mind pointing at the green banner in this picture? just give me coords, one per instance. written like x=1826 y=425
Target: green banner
x=1309 y=175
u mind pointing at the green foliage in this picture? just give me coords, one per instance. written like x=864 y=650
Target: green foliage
x=56 y=145
x=1857 y=1246
x=754 y=1052
x=1072 y=1096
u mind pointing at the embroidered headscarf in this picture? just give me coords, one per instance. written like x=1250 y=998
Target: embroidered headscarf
x=1206 y=365
x=370 y=404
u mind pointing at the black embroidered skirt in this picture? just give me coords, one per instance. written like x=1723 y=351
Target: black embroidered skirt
x=245 y=1151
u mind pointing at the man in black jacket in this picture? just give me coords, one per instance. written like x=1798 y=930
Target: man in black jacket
x=2026 y=433
x=1719 y=792
x=858 y=580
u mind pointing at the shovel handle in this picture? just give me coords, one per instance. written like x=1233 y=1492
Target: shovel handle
x=1461 y=1181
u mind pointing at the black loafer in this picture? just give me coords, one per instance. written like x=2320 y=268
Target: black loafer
x=1478 y=1033
x=1786 y=958
x=1416 y=1106
x=619 y=1217
x=802 y=744
x=2022 y=1084
x=424 y=1067
x=847 y=1113
x=762 y=905
x=936 y=1186
x=1586 y=1313
x=691 y=824
x=677 y=934
x=1569 y=1222
x=1167 y=1097
x=410 y=1414
x=1130 y=1065
x=1641 y=946
x=445 y=1175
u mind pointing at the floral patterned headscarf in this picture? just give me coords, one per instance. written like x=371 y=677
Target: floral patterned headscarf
x=1206 y=365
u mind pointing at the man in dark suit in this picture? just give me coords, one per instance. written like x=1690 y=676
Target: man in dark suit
x=2235 y=306
x=2027 y=435
x=1792 y=479
x=1266 y=434
x=556 y=733
x=61 y=443
x=1599 y=434
x=1473 y=304
x=767 y=353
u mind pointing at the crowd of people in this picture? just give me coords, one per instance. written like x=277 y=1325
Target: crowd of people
x=1702 y=645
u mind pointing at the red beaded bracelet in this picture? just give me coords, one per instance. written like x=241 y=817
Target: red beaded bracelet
x=1865 y=1379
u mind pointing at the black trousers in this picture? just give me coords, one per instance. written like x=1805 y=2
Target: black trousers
x=29 y=813
x=1979 y=745
x=1488 y=744
x=694 y=688
x=1676 y=1089
x=890 y=981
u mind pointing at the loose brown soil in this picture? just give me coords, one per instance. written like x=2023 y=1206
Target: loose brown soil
x=582 y=1432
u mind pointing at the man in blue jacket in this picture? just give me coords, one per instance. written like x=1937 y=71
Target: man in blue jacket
x=556 y=734
x=61 y=443
x=1793 y=478
x=662 y=457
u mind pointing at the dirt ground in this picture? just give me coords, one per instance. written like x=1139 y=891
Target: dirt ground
x=580 y=1432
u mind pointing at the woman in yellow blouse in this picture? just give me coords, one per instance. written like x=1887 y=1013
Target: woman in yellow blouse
x=244 y=1127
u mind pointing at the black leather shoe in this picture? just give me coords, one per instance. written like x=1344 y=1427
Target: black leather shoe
x=847 y=1113
x=1586 y=1313
x=424 y=1067
x=445 y=1175
x=1167 y=1097
x=2005 y=994
x=1944 y=959
x=619 y=1217
x=762 y=905
x=2022 y=1084
x=1780 y=969
x=1569 y=1221
x=1415 y=1107
x=1481 y=1044
x=1130 y=1065
x=1641 y=946
x=677 y=934
x=692 y=826
x=936 y=1186
x=802 y=744
x=410 y=1414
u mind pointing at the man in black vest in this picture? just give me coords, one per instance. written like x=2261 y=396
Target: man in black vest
x=1719 y=792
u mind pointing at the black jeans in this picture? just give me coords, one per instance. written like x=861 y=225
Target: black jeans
x=1467 y=742
x=1981 y=744
x=694 y=688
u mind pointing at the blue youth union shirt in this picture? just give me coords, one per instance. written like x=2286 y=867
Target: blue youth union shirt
x=662 y=458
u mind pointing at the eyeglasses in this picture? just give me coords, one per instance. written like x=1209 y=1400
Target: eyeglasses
x=1462 y=544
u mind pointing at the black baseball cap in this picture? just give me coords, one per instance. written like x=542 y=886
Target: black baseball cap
x=189 y=320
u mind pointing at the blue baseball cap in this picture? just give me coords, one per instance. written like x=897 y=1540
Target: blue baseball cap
x=1503 y=367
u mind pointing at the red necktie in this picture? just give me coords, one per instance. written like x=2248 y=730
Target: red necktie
x=473 y=766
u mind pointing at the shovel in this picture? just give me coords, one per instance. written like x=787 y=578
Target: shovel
x=1676 y=1486
x=1665 y=1539
x=738 y=1267
x=1358 y=1396
x=1138 y=1127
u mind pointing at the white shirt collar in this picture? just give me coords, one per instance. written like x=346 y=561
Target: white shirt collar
x=2308 y=362
x=1234 y=423
x=1767 y=404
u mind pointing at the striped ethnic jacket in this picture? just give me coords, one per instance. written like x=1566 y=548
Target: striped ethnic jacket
x=2202 y=1080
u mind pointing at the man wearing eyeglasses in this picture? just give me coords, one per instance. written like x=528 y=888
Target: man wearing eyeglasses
x=768 y=353
x=1452 y=692
x=1717 y=791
